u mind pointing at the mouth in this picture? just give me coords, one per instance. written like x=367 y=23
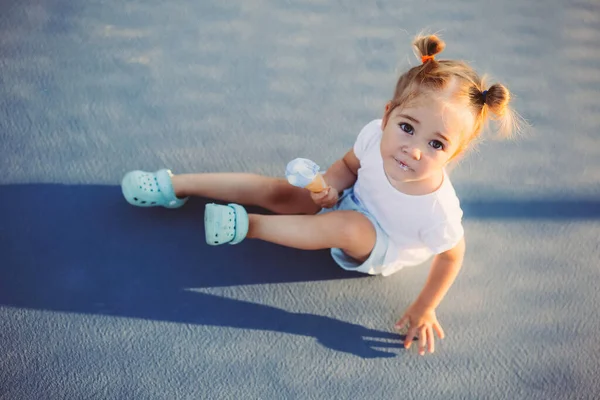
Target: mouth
x=402 y=165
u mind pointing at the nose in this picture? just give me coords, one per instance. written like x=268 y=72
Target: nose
x=413 y=152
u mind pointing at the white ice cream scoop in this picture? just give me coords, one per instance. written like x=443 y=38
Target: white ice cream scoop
x=304 y=173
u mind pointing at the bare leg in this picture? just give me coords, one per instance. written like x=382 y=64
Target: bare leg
x=349 y=230
x=273 y=194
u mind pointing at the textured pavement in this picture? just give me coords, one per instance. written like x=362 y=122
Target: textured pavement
x=100 y=300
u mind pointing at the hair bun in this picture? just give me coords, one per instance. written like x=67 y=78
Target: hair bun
x=428 y=45
x=497 y=99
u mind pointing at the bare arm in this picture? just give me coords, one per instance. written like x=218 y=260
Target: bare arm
x=342 y=174
x=444 y=269
x=421 y=314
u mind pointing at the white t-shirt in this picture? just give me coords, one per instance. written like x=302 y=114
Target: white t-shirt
x=418 y=226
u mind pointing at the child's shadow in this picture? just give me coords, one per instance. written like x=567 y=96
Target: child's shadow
x=84 y=249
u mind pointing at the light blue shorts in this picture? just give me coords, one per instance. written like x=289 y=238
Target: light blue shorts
x=348 y=201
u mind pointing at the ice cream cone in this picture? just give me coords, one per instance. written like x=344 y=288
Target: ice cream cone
x=317 y=184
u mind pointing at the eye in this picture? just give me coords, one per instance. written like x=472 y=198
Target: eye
x=436 y=144
x=408 y=128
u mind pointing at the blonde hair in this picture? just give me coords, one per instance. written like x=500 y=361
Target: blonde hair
x=457 y=80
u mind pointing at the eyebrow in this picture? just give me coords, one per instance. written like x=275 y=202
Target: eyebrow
x=443 y=137
x=416 y=121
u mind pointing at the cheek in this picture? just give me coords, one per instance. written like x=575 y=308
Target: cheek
x=388 y=143
x=438 y=159
x=445 y=159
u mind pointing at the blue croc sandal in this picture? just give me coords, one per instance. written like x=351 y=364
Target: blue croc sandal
x=150 y=189
x=225 y=224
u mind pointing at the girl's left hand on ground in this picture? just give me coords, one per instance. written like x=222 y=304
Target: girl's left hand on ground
x=422 y=323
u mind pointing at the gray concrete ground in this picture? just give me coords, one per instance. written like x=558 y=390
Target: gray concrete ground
x=100 y=300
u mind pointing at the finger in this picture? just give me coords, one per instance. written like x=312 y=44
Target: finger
x=319 y=195
x=327 y=201
x=439 y=330
x=412 y=331
x=400 y=324
x=422 y=340
x=430 y=340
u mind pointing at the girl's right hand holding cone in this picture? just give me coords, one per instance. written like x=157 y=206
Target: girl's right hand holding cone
x=326 y=198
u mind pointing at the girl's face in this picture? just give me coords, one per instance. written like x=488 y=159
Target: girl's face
x=417 y=143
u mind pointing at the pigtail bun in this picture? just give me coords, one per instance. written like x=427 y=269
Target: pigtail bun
x=429 y=45
x=496 y=100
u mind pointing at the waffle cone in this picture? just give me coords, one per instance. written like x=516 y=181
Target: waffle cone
x=317 y=185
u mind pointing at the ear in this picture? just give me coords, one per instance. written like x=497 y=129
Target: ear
x=386 y=114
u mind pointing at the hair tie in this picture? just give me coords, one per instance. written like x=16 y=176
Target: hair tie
x=424 y=59
x=484 y=95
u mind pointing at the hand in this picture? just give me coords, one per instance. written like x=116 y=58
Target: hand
x=326 y=198
x=422 y=323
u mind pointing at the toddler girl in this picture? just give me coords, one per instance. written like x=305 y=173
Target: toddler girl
x=389 y=202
